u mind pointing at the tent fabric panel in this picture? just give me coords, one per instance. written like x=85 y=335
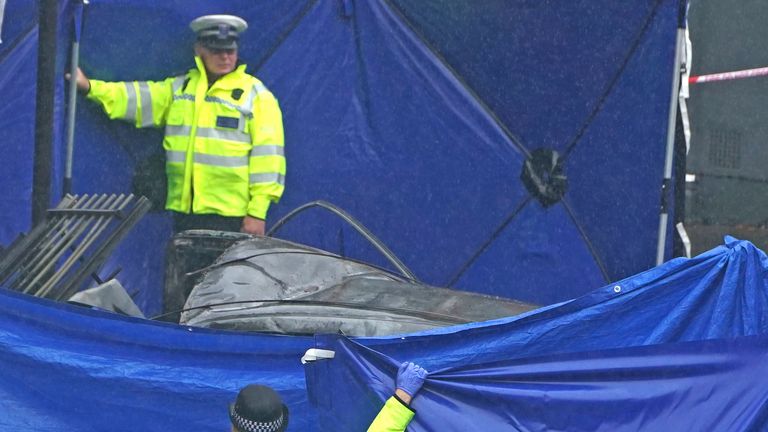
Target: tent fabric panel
x=617 y=189
x=20 y=18
x=540 y=256
x=409 y=154
x=18 y=80
x=560 y=84
x=17 y=120
x=541 y=87
x=120 y=36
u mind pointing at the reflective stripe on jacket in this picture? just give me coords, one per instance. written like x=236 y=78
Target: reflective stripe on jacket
x=224 y=144
x=393 y=417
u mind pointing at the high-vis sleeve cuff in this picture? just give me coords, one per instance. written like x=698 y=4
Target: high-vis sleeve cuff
x=96 y=89
x=258 y=207
x=394 y=416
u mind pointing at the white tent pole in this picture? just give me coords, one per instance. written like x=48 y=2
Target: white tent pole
x=72 y=100
x=666 y=186
x=2 y=13
x=71 y=107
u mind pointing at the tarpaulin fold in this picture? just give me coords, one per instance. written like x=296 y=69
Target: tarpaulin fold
x=677 y=346
x=713 y=385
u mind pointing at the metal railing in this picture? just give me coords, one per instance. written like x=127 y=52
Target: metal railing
x=55 y=259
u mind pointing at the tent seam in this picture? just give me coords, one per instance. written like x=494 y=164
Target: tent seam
x=295 y=24
x=612 y=84
x=488 y=111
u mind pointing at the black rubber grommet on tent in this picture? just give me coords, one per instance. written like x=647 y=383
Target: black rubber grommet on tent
x=544 y=176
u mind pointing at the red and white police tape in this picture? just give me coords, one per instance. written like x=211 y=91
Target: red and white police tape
x=725 y=76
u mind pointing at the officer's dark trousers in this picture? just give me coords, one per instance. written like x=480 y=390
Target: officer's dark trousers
x=184 y=222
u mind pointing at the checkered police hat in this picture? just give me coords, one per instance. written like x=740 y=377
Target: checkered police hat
x=258 y=409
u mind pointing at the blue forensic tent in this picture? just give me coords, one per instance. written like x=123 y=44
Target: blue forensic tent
x=659 y=348
x=415 y=117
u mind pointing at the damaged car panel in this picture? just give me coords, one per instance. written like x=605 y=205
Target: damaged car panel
x=270 y=285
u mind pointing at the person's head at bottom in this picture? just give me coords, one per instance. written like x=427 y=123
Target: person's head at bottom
x=258 y=408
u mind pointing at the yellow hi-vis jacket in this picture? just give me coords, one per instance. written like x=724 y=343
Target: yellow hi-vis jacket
x=393 y=417
x=223 y=144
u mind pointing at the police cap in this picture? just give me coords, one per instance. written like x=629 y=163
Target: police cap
x=258 y=408
x=218 y=31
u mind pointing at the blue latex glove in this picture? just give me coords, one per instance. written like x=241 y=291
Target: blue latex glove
x=410 y=378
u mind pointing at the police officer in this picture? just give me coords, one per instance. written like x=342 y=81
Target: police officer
x=223 y=132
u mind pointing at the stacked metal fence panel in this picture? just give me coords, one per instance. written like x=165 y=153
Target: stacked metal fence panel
x=55 y=259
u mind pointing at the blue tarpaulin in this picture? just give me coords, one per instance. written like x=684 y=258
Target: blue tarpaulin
x=680 y=347
x=73 y=369
x=415 y=117
x=681 y=342
x=696 y=386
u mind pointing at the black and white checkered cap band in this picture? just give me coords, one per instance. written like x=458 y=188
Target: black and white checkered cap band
x=246 y=425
